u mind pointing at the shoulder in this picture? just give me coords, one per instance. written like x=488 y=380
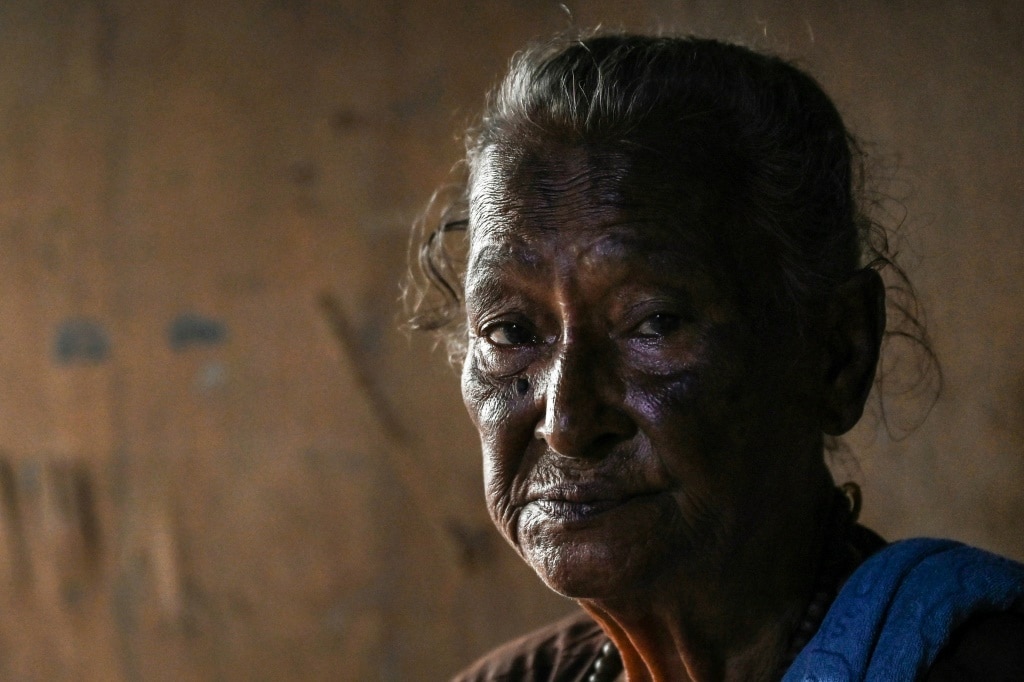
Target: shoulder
x=563 y=650
x=915 y=602
x=987 y=646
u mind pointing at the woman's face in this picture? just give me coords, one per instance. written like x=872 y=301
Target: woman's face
x=634 y=423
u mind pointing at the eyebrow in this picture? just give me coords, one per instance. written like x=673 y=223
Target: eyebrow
x=516 y=261
x=678 y=250
x=515 y=255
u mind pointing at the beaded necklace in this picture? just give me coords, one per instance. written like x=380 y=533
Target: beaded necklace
x=838 y=559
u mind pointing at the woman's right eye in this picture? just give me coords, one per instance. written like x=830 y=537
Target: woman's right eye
x=508 y=334
x=659 y=325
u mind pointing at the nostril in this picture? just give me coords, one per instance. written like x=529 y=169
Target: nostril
x=522 y=385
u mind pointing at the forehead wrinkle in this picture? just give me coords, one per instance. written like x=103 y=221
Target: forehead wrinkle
x=504 y=274
x=502 y=249
x=543 y=187
x=542 y=208
x=503 y=253
x=607 y=218
x=494 y=263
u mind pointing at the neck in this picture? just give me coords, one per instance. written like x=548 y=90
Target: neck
x=736 y=621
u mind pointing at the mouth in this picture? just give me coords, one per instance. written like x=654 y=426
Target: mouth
x=576 y=503
x=565 y=510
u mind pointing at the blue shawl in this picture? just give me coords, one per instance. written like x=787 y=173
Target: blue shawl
x=896 y=612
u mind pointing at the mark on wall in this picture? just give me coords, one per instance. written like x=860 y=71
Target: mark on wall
x=423 y=100
x=191 y=329
x=474 y=542
x=347 y=337
x=345 y=120
x=79 y=502
x=15 y=549
x=50 y=527
x=211 y=376
x=81 y=340
x=304 y=173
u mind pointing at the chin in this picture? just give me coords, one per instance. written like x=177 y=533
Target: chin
x=587 y=570
x=601 y=555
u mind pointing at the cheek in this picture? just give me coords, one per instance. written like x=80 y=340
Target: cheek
x=694 y=421
x=664 y=399
x=498 y=410
x=687 y=381
x=488 y=400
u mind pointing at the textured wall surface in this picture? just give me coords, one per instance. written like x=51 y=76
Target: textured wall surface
x=220 y=459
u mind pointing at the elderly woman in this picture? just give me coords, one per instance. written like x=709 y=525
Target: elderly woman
x=665 y=317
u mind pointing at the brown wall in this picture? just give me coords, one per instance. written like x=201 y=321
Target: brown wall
x=202 y=478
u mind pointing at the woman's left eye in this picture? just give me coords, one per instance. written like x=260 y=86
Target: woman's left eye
x=658 y=325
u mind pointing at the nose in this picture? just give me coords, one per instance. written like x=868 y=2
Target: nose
x=584 y=414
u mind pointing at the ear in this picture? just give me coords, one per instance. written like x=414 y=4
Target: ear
x=854 y=320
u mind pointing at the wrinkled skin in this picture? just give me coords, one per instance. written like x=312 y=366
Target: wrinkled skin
x=647 y=449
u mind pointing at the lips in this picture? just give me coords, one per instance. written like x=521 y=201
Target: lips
x=580 y=502
x=575 y=510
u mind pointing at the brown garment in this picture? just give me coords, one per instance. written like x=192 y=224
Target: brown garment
x=988 y=647
x=563 y=651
